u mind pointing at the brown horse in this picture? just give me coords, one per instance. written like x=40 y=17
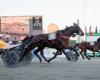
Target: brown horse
x=59 y=43
x=84 y=46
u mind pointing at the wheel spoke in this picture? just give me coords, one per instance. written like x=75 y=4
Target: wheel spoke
x=72 y=55
x=10 y=59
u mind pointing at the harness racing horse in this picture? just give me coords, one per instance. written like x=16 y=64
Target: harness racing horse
x=84 y=46
x=60 y=43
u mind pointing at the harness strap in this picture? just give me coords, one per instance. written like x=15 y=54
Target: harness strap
x=65 y=37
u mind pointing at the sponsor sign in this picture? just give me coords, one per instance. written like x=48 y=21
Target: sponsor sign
x=37 y=22
x=15 y=24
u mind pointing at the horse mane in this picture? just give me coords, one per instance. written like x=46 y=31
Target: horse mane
x=39 y=37
x=63 y=30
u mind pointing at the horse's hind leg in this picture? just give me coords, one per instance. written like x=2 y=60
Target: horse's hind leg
x=42 y=54
x=85 y=53
x=36 y=53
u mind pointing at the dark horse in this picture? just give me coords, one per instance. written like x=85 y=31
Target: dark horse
x=84 y=46
x=59 y=43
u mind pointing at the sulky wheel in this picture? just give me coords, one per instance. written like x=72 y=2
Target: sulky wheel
x=2 y=52
x=27 y=59
x=10 y=59
x=71 y=54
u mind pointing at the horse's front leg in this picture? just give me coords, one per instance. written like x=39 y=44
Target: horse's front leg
x=85 y=53
x=66 y=55
x=81 y=54
x=55 y=55
x=93 y=53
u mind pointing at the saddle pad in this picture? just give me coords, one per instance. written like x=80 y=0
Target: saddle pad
x=52 y=36
x=91 y=43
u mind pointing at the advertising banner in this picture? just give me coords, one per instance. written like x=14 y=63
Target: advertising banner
x=15 y=24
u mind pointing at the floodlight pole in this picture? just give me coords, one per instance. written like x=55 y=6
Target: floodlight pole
x=1 y=9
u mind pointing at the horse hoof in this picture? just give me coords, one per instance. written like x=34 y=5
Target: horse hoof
x=48 y=61
x=89 y=59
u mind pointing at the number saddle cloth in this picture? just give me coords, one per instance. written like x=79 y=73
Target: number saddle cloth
x=52 y=36
x=92 y=43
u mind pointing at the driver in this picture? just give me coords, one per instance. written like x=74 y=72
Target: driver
x=2 y=43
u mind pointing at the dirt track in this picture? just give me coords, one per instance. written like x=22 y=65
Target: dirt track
x=59 y=69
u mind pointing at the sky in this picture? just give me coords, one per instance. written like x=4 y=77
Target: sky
x=60 y=12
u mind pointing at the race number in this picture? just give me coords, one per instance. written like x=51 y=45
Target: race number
x=52 y=36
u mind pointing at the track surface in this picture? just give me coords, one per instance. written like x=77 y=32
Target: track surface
x=59 y=69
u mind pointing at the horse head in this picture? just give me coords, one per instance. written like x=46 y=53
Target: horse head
x=73 y=30
x=76 y=29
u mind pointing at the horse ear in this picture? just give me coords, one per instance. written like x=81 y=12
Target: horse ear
x=66 y=26
x=74 y=24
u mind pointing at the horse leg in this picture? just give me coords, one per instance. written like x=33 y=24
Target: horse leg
x=36 y=53
x=42 y=54
x=66 y=55
x=55 y=55
x=93 y=53
x=81 y=54
x=85 y=53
